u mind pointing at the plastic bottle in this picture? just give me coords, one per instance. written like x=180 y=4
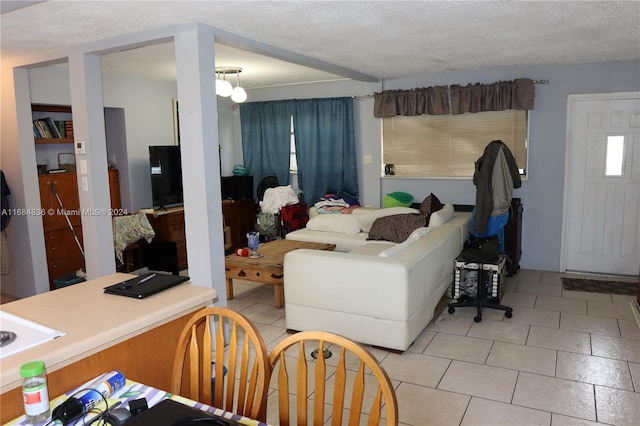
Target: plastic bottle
x=35 y=392
x=87 y=398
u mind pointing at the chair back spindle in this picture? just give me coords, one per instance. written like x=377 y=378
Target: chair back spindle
x=221 y=360
x=359 y=387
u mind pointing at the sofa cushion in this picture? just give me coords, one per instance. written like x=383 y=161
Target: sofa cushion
x=367 y=218
x=390 y=251
x=372 y=248
x=340 y=223
x=343 y=242
x=419 y=233
x=441 y=216
x=396 y=228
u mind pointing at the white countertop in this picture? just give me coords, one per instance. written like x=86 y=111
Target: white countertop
x=93 y=320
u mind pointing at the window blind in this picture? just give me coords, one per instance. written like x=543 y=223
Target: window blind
x=449 y=145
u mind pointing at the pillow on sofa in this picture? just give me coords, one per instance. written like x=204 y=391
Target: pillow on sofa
x=441 y=216
x=367 y=219
x=396 y=228
x=397 y=199
x=430 y=204
x=340 y=223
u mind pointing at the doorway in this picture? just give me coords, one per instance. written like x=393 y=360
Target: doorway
x=600 y=232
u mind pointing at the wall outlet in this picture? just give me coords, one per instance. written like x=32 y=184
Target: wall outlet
x=368 y=159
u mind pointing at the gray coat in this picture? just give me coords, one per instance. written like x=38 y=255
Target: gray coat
x=495 y=177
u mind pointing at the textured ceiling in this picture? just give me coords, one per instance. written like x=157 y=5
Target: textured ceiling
x=382 y=39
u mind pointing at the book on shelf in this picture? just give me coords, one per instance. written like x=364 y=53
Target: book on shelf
x=41 y=128
x=60 y=125
x=68 y=128
x=45 y=128
x=36 y=132
x=52 y=127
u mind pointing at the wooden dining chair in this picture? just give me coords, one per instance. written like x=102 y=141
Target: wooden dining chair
x=221 y=360
x=353 y=381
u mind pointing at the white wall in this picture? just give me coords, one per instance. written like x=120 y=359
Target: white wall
x=148 y=110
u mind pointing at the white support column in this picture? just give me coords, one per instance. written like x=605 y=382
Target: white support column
x=200 y=159
x=93 y=186
x=28 y=272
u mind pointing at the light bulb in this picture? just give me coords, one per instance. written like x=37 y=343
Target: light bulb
x=238 y=95
x=223 y=88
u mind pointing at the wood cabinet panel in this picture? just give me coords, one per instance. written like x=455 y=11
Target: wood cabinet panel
x=66 y=185
x=59 y=241
x=240 y=216
x=114 y=189
x=63 y=255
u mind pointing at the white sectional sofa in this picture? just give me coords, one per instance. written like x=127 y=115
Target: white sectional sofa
x=373 y=292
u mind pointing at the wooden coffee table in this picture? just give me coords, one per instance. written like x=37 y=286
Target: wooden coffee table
x=267 y=269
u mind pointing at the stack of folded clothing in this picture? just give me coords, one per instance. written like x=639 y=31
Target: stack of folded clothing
x=332 y=203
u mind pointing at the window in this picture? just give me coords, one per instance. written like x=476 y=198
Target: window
x=428 y=146
x=615 y=155
x=293 y=162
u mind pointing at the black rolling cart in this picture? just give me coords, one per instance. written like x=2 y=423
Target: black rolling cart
x=479 y=284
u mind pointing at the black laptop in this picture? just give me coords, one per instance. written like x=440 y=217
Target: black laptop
x=145 y=285
x=172 y=413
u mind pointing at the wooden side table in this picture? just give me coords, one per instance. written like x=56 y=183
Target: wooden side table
x=267 y=269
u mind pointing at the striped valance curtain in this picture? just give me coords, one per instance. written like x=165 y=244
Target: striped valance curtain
x=455 y=99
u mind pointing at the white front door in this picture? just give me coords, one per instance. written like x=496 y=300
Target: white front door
x=601 y=233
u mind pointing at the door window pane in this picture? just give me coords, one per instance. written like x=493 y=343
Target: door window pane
x=615 y=155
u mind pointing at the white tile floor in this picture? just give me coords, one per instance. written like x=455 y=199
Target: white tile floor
x=564 y=358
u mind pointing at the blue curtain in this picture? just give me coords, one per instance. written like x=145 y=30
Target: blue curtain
x=325 y=147
x=325 y=144
x=266 y=139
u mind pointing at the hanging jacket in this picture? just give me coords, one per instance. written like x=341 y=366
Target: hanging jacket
x=496 y=174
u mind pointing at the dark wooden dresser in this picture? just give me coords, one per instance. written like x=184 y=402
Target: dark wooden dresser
x=240 y=216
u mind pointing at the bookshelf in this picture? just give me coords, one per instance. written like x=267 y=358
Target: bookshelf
x=50 y=114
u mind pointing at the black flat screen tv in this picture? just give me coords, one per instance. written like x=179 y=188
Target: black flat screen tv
x=166 y=176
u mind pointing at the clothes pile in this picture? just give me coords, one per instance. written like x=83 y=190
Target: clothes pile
x=333 y=203
x=276 y=198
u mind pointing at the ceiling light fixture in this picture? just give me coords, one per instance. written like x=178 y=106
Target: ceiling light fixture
x=224 y=88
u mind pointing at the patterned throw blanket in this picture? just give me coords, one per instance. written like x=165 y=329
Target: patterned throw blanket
x=129 y=229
